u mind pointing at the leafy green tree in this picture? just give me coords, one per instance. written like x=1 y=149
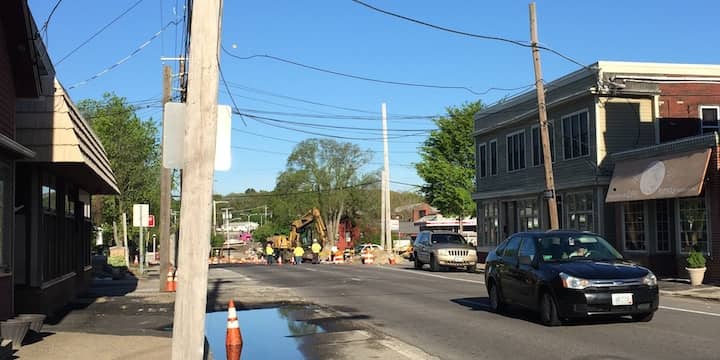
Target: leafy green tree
x=133 y=149
x=448 y=162
x=323 y=171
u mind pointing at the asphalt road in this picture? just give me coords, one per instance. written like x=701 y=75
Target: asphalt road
x=446 y=315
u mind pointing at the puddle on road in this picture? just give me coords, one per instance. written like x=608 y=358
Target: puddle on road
x=267 y=333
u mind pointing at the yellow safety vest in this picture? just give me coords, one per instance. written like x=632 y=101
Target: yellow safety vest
x=269 y=250
x=299 y=251
x=316 y=248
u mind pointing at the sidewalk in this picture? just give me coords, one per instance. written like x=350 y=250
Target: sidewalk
x=682 y=287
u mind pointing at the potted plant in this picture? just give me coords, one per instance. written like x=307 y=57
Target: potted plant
x=696 y=267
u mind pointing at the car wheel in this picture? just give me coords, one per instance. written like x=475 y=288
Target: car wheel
x=434 y=265
x=471 y=268
x=496 y=303
x=548 y=310
x=417 y=263
x=645 y=317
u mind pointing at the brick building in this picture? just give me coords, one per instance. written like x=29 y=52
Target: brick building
x=635 y=157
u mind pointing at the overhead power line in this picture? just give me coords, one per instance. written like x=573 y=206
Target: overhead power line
x=329 y=126
x=52 y=12
x=458 y=32
x=99 y=31
x=123 y=60
x=365 y=78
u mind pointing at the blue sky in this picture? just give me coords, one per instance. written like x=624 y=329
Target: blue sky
x=343 y=36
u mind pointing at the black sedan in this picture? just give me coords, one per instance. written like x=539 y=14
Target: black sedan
x=568 y=274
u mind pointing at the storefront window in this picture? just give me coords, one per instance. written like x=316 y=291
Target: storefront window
x=579 y=207
x=489 y=224
x=634 y=226
x=693 y=224
x=662 y=215
x=528 y=216
x=49 y=195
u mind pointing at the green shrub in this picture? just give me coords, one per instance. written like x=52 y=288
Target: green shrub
x=116 y=261
x=695 y=260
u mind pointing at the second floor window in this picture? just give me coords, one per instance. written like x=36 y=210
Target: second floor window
x=493 y=157
x=516 y=151
x=575 y=135
x=538 y=158
x=710 y=119
x=482 y=159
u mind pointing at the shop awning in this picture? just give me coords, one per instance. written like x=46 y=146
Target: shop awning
x=660 y=177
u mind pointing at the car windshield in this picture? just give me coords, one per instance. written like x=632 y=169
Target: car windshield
x=576 y=247
x=448 y=239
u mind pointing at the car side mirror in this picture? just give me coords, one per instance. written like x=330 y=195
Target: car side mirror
x=525 y=260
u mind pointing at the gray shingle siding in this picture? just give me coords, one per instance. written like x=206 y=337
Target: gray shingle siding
x=568 y=173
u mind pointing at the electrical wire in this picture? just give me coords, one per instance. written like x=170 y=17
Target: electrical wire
x=358 y=77
x=290 y=193
x=99 y=32
x=47 y=21
x=330 y=126
x=123 y=60
x=458 y=32
x=333 y=136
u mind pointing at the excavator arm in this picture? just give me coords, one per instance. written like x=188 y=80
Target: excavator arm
x=312 y=216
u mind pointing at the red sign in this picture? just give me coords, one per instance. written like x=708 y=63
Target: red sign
x=151 y=221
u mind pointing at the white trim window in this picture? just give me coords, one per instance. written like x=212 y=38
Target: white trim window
x=693 y=224
x=576 y=135
x=493 y=157
x=580 y=211
x=535 y=138
x=709 y=118
x=662 y=225
x=482 y=160
x=634 y=227
x=516 y=151
x=528 y=215
x=489 y=224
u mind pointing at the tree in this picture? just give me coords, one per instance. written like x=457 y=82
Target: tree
x=323 y=171
x=448 y=162
x=133 y=149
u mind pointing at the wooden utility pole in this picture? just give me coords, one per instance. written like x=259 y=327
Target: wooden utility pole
x=387 y=233
x=165 y=189
x=542 y=116
x=198 y=169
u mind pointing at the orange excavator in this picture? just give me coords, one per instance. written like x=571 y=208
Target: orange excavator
x=303 y=235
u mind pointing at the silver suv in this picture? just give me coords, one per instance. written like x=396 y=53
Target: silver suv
x=443 y=249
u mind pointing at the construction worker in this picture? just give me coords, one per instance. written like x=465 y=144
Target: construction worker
x=269 y=253
x=298 y=252
x=315 y=248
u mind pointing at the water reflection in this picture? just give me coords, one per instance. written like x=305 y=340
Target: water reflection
x=267 y=333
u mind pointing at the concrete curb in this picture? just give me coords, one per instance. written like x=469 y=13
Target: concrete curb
x=693 y=294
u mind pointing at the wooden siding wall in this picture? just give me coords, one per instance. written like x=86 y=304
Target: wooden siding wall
x=568 y=173
x=624 y=124
x=7 y=89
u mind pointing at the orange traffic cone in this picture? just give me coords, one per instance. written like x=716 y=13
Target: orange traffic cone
x=135 y=261
x=280 y=260
x=170 y=281
x=233 y=337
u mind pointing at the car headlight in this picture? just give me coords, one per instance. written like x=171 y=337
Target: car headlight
x=442 y=252
x=650 y=279
x=572 y=282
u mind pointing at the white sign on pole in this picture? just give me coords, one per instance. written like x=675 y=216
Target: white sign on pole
x=394 y=225
x=223 y=160
x=141 y=214
x=174 y=136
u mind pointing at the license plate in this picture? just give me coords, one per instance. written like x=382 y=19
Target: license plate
x=622 y=299
x=458 y=259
